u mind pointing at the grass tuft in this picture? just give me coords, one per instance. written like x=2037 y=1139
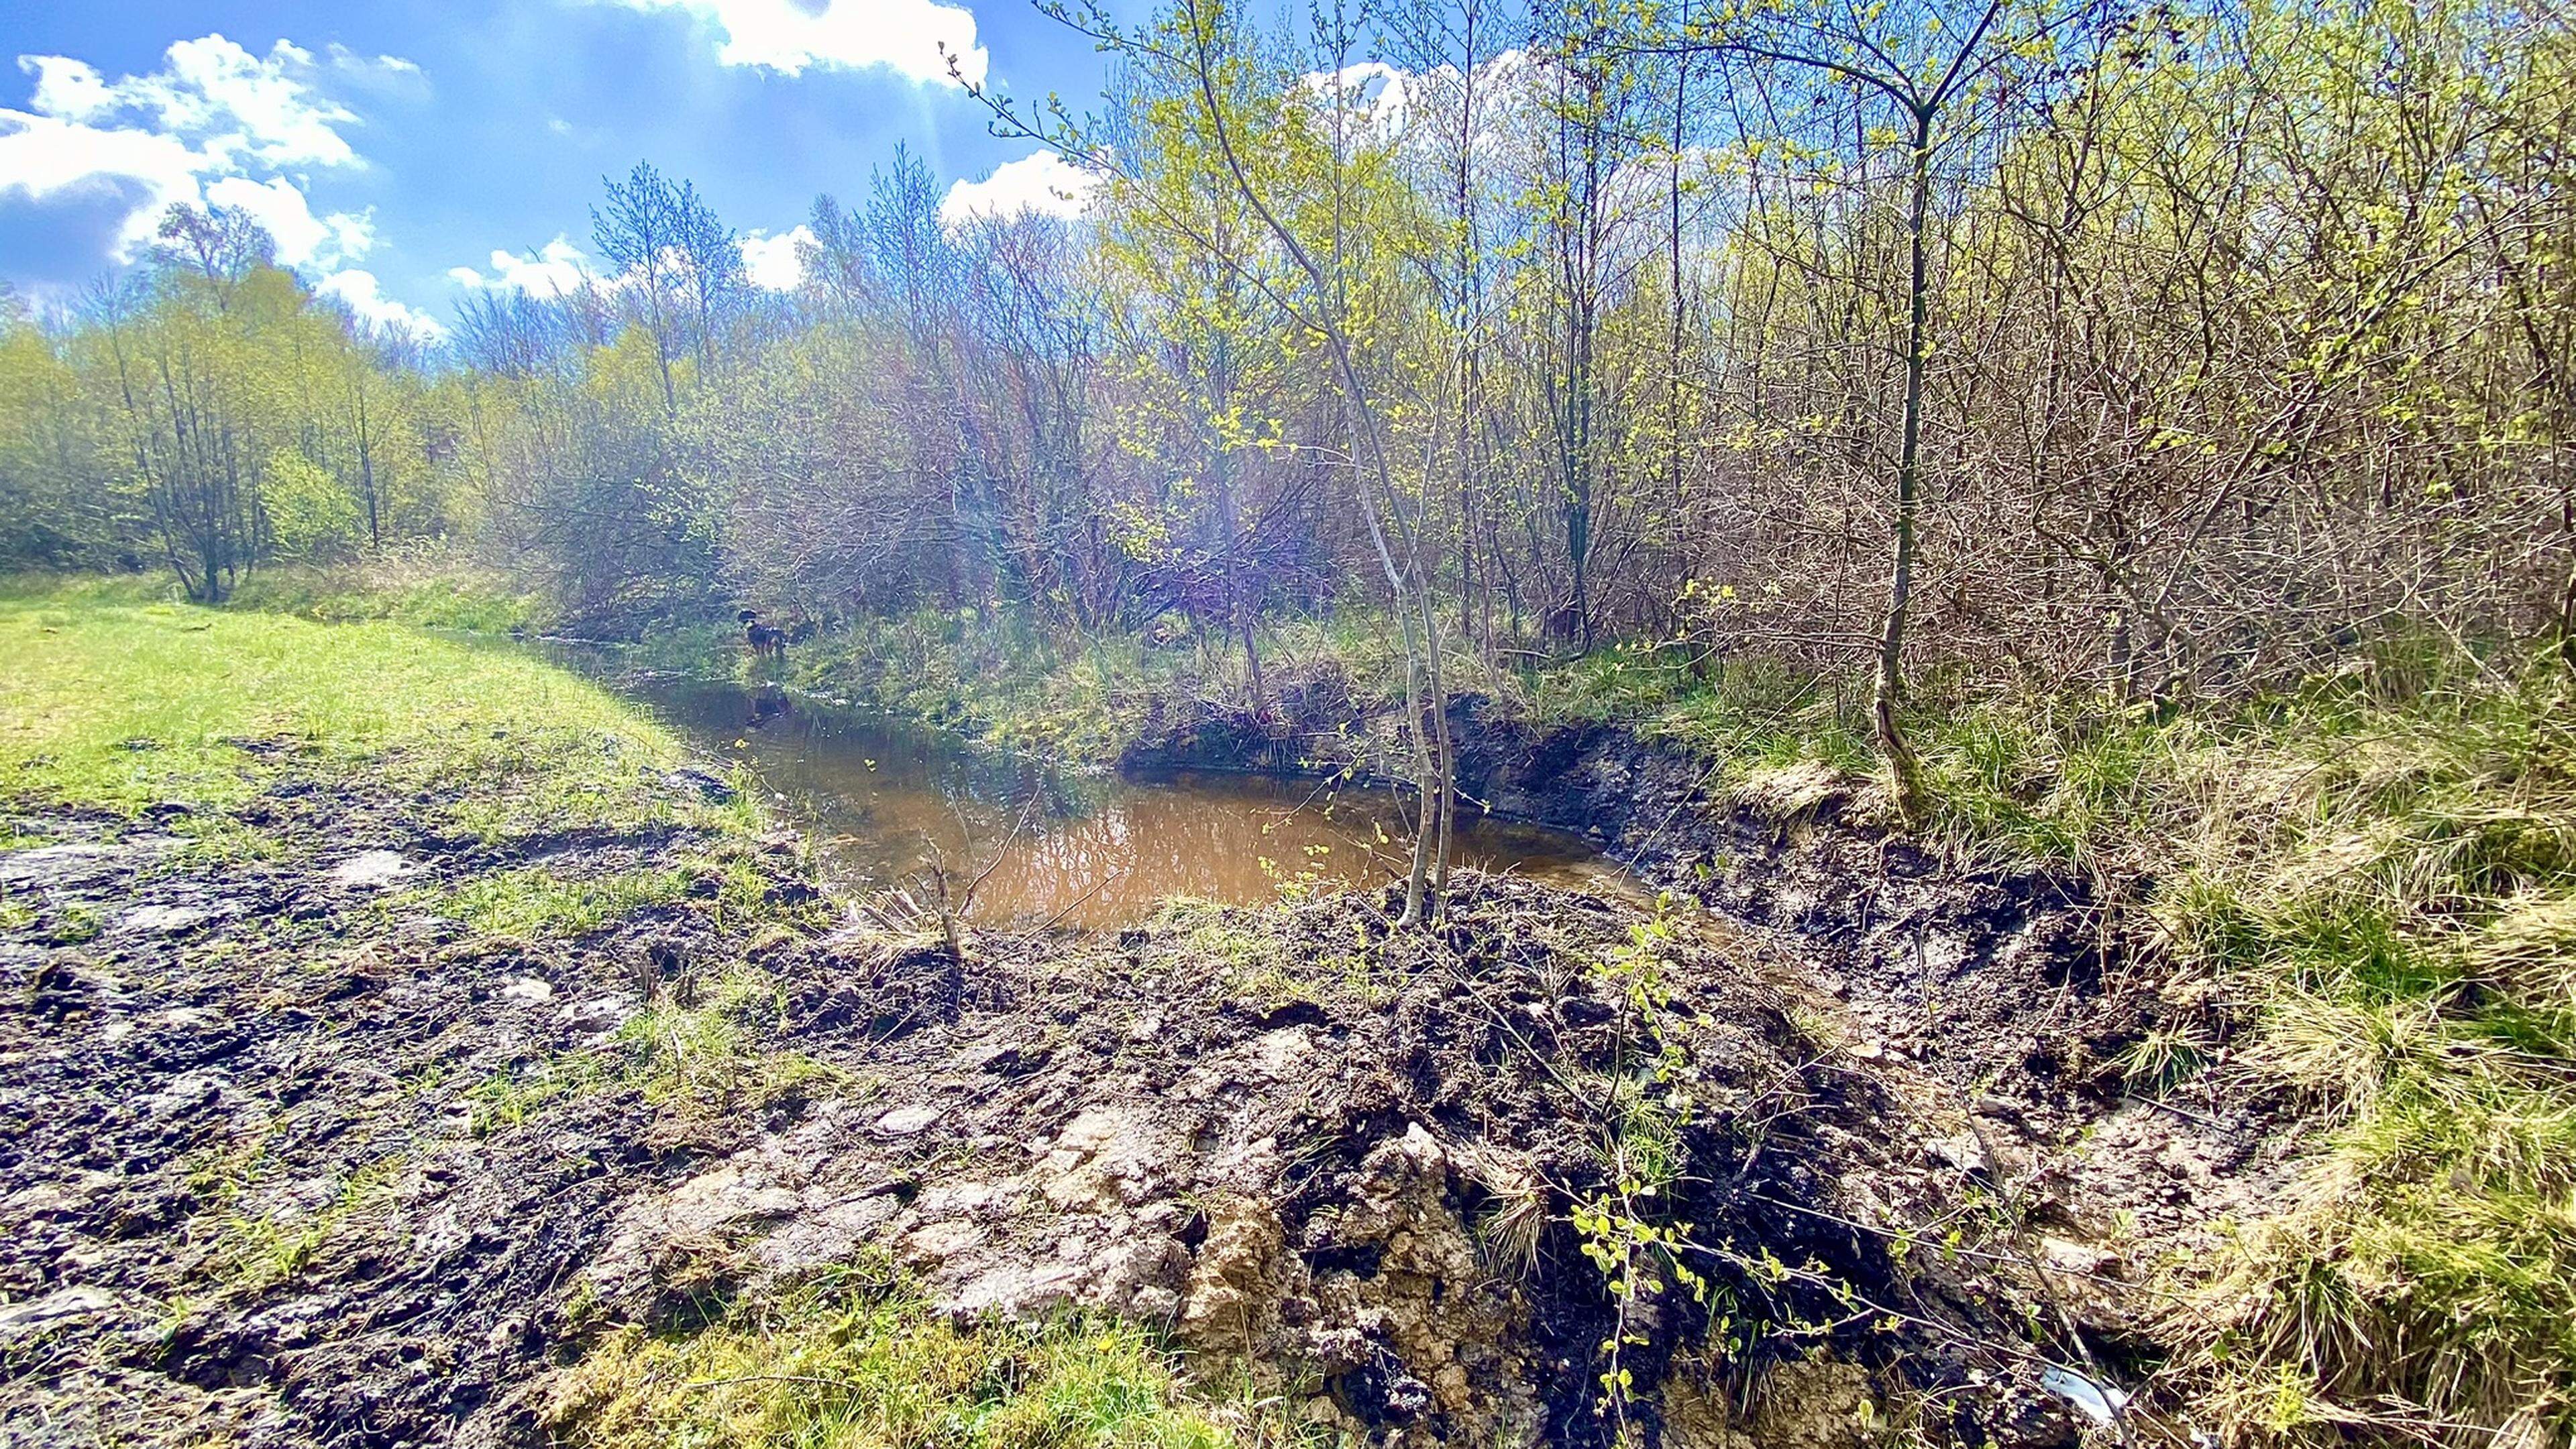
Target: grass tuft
x=857 y=1359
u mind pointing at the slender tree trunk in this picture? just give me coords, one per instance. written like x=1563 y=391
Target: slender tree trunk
x=367 y=477
x=1906 y=771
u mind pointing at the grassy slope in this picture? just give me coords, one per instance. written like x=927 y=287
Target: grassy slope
x=114 y=704
x=122 y=706
x=2372 y=881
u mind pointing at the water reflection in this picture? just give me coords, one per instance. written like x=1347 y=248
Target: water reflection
x=884 y=800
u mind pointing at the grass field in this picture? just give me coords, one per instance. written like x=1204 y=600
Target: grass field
x=855 y=1359
x=122 y=705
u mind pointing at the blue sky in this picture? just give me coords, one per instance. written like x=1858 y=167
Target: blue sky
x=394 y=146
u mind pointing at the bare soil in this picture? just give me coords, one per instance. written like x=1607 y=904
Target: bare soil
x=292 y=1158
x=248 y=1194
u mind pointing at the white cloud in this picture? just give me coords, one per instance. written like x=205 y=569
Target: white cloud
x=1044 y=182
x=1377 y=91
x=213 y=110
x=213 y=92
x=549 y=271
x=913 y=37
x=359 y=292
x=45 y=157
x=1388 y=100
x=390 y=67
x=68 y=88
x=773 y=263
x=301 y=237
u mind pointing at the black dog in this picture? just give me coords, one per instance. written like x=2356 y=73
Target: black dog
x=767 y=640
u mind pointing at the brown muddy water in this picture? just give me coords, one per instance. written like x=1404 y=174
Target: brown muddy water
x=884 y=800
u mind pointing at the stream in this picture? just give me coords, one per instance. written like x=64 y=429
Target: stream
x=884 y=799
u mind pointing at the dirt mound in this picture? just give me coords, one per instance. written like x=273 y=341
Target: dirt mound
x=1504 y=1183
x=1987 y=977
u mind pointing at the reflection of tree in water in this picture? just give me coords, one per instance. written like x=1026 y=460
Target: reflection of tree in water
x=886 y=800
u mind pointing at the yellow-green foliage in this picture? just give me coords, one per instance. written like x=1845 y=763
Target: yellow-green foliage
x=868 y=1366
x=118 y=704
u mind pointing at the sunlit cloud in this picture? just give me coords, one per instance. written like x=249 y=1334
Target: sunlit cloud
x=551 y=270
x=236 y=105
x=1044 y=183
x=282 y=211
x=915 y=38
x=365 y=299
x=1373 y=89
x=773 y=262
x=213 y=110
x=43 y=158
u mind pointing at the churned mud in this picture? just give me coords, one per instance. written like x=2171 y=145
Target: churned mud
x=297 y=1154
x=262 y=1185
x=2006 y=1004
x=1397 y=1179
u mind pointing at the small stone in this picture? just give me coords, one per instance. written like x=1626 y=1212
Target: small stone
x=939 y=1241
x=2069 y=1256
x=1407 y=1398
x=1963 y=1152
x=906 y=1121
x=528 y=989
x=164 y=920
x=36 y=1316
x=369 y=869
x=1279 y=1051
x=598 y=1012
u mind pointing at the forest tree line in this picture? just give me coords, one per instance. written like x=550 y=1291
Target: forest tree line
x=2146 y=349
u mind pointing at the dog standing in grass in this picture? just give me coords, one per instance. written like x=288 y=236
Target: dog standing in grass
x=768 y=641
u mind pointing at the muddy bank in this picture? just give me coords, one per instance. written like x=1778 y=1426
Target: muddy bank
x=1984 y=976
x=2007 y=1005
x=1547 y=1172
x=299 y=1153
x=284 y=1165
